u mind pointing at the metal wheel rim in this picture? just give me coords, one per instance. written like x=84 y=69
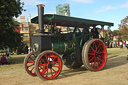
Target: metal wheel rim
x=45 y=60
x=29 y=63
x=97 y=55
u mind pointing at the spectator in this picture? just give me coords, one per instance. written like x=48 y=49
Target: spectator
x=114 y=44
x=3 y=60
x=121 y=44
x=126 y=42
x=94 y=32
x=127 y=45
x=97 y=33
x=7 y=52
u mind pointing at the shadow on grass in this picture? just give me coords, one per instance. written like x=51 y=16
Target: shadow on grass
x=71 y=72
x=112 y=57
x=115 y=61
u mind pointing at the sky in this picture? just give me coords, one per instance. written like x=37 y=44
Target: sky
x=103 y=10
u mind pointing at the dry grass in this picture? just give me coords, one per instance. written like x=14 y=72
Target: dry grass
x=114 y=73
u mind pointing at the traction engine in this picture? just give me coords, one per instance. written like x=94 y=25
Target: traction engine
x=51 y=48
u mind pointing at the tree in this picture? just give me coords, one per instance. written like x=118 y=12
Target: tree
x=116 y=32
x=8 y=10
x=123 y=28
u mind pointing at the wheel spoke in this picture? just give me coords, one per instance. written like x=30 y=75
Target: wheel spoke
x=91 y=54
x=40 y=67
x=95 y=61
x=55 y=62
x=89 y=57
x=41 y=64
x=95 y=46
x=47 y=73
x=46 y=58
x=101 y=52
x=30 y=65
x=43 y=60
x=56 y=66
x=98 y=47
x=31 y=62
x=92 y=48
x=54 y=70
x=32 y=59
x=44 y=71
x=100 y=56
x=92 y=59
x=32 y=69
x=100 y=60
x=51 y=72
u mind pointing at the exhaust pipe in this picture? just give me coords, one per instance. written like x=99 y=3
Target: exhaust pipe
x=41 y=17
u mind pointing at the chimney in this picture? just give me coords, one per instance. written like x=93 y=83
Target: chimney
x=41 y=17
x=29 y=18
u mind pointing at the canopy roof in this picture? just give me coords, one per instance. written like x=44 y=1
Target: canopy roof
x=60 y=20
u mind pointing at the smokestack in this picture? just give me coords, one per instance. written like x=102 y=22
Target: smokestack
x=29 y=18
x=41 y=17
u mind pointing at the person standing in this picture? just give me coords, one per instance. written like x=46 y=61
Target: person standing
x=114 y=44
x=7 y=52
x=121 y=44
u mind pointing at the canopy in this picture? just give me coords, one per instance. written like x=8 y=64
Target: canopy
x=60 y=20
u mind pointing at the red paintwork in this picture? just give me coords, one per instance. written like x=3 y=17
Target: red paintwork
x=43 y=65
x=97 y=63
x=30 y=61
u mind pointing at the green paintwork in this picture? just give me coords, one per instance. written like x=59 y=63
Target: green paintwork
x=59 y=18
x=63 y=47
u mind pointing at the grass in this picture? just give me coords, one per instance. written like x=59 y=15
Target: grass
x=17 y=60
x=117 y=51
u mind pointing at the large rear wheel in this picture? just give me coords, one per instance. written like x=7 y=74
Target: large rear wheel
x=94 y=55
x=48 y=65
x=29 y=62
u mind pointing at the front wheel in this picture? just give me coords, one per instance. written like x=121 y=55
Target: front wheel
x=48 y=65
x=94 y=55
x=29 y=62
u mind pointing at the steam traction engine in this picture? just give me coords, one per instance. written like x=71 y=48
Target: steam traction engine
x=75 y=47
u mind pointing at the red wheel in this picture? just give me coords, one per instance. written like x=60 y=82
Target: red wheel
x=48 y=65
x=94 y=55
x=29 y=62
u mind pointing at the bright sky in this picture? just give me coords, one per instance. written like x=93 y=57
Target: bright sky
x=103 y=10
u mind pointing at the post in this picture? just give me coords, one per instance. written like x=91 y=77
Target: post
x=102 y=29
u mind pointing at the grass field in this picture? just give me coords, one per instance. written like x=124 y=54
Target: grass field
x=112 y=52
x=114 y=73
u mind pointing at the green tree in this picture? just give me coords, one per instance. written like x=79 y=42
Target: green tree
x=123 y=28
x=8 y=10
x=116 y=32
